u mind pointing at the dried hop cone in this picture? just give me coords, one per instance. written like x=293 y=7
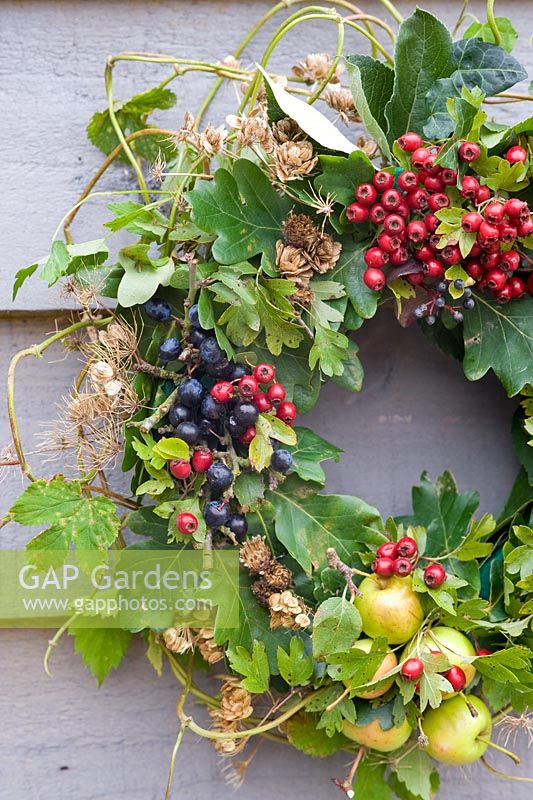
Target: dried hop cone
x=209 y=649
x=326 y=253
x=294 y=159
x=178 y=640
x=340 y=100
x=287 y=130
x=293 y=264
x=262 y=591
x=256 y=555
x=304 y=296
x=235 y=702
x=288 y=611
x=315 y=67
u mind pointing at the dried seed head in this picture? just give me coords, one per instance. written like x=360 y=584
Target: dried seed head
x=209 y=649
x=292 y=264
x=299 y=230
x=178 y=640
x=340 y=100
x=278 y=577
x=252 y=130
x=211 y=140
x=315 y=67
x=326 y=253
x=287 y=130
x=256 y=555
x=231 y=62
x=294 y=159
x=101 y=372
x=158 y=168
x=288 y=611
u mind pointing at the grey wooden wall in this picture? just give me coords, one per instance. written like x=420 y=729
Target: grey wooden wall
x=64 y=738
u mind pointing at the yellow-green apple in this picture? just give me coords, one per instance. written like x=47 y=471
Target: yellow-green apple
x=454 y=735
x=388 y=663
x=373 y=735
x=389 y=607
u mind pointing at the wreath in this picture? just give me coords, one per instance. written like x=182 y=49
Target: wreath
x=254 y=250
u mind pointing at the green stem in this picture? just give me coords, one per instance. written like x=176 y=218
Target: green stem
x=492 y=22
x=500 y=749
x=393 y=11
x=53 y=642
x=507 y=777
x=183 y=726
x=37 y=350
x=331 y=71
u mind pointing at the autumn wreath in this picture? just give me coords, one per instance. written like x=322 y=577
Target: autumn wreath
x=255 y=249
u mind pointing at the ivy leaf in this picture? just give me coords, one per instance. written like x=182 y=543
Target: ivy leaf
x=242 y=209
x=90 y=523
x=102 y=649
x=336 y=626
x=371 y=82
x=414 y=770
x=254 y=666
x=483 y=31
x=500 y=338
x=295 y=667
x=423 y=55
x=302 y=733
x=307 y=526
x=310 y=450
x=341 y=175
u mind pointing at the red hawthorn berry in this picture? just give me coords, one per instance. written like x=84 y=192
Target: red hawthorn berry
x=451 y=254
x=475 y=251
x=438 y=201
x=449 y=177
x=261 y=402
x=517 y=286
x=201 y=460
x=286 y=411
x=416 y=231
x=409 y=142
x=415 y=278
x=420 y=157
x=389 y=243
x=276 y=393
x=430 y=166
x=366 y=194
x=417 y=199
x=248 y=435
x=482 y=651
x=482 y=195
x=247 y=386
x=488 y=233
x=357 y=213
x=407 y=547
x=407 y=180
x=457 y=678
x=383 y=180
x=186 y=523
x=516 y=155
x=391 y=199
x=508 y=232
x=222 y=391
x=377 y=214
x=514 y=207
x=424 y=253
x=490 y=260
x=468 y=151
x=374 y=278
x=471 y=221
x=431 y=222
x=474 y=268
x=434 y=575
x=433 y=269
x=403 y=209
x=504 y=294
x=402 y=567
x=412 y=669
x=394 y=224
x=470 y=187
x=387 y=549
x=525 y=228
x=496 y=279
x=384 y=567
x=399 y=256
x=375 y=257
x=434 y=183
x=179 y=468
x=264 y=373
x=510 y=260
x=494 y=213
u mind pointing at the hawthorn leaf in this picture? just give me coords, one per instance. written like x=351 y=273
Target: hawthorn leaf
x=102 y=649
x=308 y=453
x=295 y=667
x=414 y=770
x=253 y=665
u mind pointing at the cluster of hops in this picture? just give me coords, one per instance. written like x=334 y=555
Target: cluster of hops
x=217 y=405
x=235 y=706
x=400 y=558
x=409 y=210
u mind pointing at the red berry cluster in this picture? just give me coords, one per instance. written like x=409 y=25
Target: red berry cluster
x=413 y=668
x=403 y=210
x=399 y=558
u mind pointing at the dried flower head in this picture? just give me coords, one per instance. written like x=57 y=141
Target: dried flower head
x=278 y=577
x=294 y=159
x=303 y=296
x=287 y=130
x=211 y=140
x=187 y=128
x=262 y=590
x=299 y=230
x=209 y=649
x=326 y=253
x=252 y=130
x=8 y=458
x=511 y=725
x=101 y=372
x=288 y=611
x=315 y=67
x=341 y=100
x=368 y=146
x=235 y=705
x=158 y=168
x=178 y=640
x=292 y=264
x=256 y=555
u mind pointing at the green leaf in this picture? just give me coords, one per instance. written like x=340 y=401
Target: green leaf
x=242 y=209
x=371 y=82
x=414 y=771
x=302 y=733
x=89 y=522
x=310 y=450
x=471 y=546
x=356 y=667
x=249 y=488
x=432 y=686
x=144 y=522
x=328 y=351
x=154 y=652
x=169 y=448
x=141 y=280
x=352 y=374
x=422 y=56
x=260 y=451
x=341 y=175
x=502 y=665
x=336 y=626
x=21 y=277
x=102 y=649
x=483 y=31
x=56 y=264
x=253 y=666
x=332 y=720
x=500 y=338
x=349 y=272
x=369 y=781
x=295 y=667
x=307 y=526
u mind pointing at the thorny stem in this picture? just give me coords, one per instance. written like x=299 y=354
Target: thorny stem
x=504 y=774
x=37 y=350
x=492 y=22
